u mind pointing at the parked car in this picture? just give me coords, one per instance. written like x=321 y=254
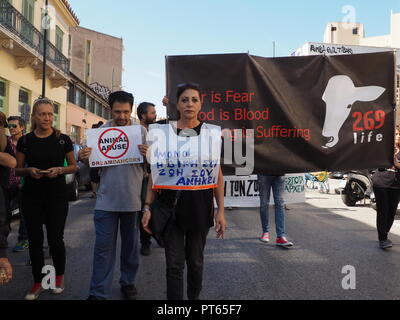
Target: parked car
x=336 y=175
x=79 y=179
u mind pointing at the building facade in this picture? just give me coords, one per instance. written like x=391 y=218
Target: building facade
x=96 y=71
x=84 y=108
x=96 y=58
x=354 y=34
x=21 y=55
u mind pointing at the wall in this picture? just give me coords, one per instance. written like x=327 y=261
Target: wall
x=106 y=56
x=26 y=78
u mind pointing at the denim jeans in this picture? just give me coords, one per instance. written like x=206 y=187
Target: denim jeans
x=276 y=183
x=106 y=225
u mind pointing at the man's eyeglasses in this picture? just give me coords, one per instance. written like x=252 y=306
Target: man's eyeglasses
x=12 y=126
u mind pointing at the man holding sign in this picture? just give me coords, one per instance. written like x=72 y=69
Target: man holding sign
x=118 y=148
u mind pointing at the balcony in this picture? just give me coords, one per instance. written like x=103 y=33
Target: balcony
x=22 y=40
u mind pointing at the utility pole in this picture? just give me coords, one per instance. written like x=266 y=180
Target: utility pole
x=273 y=49
x=46 y=25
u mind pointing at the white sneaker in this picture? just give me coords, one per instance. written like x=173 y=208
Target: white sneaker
x=265 y=237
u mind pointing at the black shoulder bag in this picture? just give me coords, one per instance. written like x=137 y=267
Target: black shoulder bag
x=162 y=214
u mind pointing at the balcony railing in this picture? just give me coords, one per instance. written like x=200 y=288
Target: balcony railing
x=15 y=22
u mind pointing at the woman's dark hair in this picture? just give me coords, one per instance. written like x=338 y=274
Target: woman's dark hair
x=121 y=97
x=185 y=86
x=142 y=109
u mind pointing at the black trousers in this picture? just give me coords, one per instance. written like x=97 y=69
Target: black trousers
x=16 y=197
x=387 y=201
x=51 y=211
x=145 y=238
x=181 y=246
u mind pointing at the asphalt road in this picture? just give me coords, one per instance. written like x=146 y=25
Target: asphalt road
x=327 y=237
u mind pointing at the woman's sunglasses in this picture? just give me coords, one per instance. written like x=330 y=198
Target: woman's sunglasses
x=185 y=84
x=12 y=126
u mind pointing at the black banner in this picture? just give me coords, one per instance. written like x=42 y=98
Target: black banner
x=309 y=113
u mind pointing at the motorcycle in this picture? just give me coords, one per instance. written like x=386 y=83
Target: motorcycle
x=356 y=186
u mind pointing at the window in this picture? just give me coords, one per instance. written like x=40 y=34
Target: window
x=59 y=39
x=56 y=123
x=91 y=105
x=75 y=134
x=2 y=96
x=355 y=31
x=24 y=108
x=28 y=9
x=87 y=103
x=106 y=113
x=82 y=103
x=98 y=109
x=88 y=47
x=88 y=53
x=69 y=44
x=71 y=93
x=78 y=97
x=333 y=29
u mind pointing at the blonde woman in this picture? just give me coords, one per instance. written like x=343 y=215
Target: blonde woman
x=40 y=159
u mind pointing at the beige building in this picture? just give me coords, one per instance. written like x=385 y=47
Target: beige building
x=354 y=34
x=96 y=71
x=21 y=55
x=96 y=58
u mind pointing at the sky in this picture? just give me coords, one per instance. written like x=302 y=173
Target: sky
x=152 y=29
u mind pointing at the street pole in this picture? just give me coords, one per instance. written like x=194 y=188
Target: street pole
x=273 y=48
x=46 y=24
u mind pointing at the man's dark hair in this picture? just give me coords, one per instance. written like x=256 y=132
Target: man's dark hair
x=143 y=108
x=121 y=97
x=21 y=121
x=100 y=123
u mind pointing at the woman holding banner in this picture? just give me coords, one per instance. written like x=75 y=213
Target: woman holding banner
x=386 y=185
x=40 y=159
x=194 y=197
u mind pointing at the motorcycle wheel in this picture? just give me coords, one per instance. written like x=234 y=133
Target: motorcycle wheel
x=348 y=200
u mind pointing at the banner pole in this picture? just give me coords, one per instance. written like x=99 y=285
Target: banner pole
x=166 y=85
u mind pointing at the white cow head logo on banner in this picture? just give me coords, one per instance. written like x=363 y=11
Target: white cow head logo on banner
x=340 y=95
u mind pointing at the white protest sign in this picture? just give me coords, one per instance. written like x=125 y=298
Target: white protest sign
x=244 y=191
x=114 y=146
x=182 y=162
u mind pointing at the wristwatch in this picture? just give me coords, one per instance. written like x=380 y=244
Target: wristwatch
x=145 y=209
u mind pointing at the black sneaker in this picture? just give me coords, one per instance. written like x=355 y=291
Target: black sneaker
x=129 y=292
x=145 y=250
x=385 y=244
x=94 y=298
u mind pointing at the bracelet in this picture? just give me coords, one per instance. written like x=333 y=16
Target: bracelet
x=145 y=209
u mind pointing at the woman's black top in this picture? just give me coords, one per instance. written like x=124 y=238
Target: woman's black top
x=384 y=178
x=43 y=154
x=195 y=209
x=4 y=171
